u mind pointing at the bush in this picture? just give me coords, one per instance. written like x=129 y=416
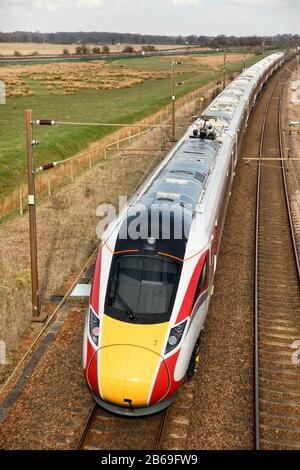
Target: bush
x=148 y=48
x=35 y=53
x=82 y=50
x=66 y=52
x=17 y=54
x=96 y=50
x=128 y=49
x=105 y=50
x=85 y=49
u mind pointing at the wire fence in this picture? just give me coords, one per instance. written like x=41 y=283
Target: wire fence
x=67 y=170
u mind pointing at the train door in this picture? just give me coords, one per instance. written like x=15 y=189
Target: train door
x=233 y=163
x=236 y=150
x=202 y=294
x=213 y=252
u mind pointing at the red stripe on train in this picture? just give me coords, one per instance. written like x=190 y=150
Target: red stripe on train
x=92 y=368
x=164 y=379
x=187 y=304
x=95 y=293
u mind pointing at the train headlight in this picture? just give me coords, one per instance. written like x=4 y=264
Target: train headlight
x=175 y=336
x=94 y=327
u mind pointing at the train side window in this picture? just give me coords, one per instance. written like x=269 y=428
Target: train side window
x=202 y=280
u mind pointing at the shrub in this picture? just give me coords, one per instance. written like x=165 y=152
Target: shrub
x=82 y=50
x=96 y=50
x=148 y=48
x=35 y=53
x=105 y=50
x=17 y=54
x=128 y=49
x=66 y=52
x=85 y=49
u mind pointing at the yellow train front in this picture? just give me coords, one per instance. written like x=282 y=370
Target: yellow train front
x=133 y=340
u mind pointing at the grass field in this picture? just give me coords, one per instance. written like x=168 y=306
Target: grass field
x=148 y=88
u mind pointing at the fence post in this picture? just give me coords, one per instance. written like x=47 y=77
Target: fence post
x=72 y=171
x=21 y=200
x=49 y=184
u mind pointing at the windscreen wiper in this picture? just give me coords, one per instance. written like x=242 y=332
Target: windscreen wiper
x=128 y=310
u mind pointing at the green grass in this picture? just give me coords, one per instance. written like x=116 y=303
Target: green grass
x=60 y=142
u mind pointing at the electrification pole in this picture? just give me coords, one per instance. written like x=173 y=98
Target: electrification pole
x=224 y=69
x=36 y=308
x=173 y=101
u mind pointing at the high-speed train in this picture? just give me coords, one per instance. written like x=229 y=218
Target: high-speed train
x=155 y=267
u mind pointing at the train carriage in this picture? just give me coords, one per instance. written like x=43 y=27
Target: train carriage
x=155 y=268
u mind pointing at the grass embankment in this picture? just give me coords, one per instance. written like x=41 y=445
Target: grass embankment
x=122 y=105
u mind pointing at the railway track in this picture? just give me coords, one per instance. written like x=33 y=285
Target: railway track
x=104 y=431
x=277 y=299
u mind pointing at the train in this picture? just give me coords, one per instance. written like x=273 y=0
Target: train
x=155 y=267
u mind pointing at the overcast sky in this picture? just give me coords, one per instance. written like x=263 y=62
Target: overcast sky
x=172 y=17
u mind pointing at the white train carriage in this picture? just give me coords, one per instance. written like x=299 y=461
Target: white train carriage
x=155 y=268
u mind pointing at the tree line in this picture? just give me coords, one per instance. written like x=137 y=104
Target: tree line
x=280 y=40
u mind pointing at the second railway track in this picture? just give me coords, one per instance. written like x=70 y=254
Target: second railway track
x=277 y=300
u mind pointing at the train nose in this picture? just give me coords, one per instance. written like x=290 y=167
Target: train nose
x=127 y=374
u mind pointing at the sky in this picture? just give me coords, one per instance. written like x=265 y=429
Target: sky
x=171 y=17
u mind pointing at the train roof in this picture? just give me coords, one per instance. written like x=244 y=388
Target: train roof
x=174 y=193
x=179 y=185
x=183 y=179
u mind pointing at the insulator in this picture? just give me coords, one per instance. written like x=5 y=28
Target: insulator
x=48 y=166
x=45 y=122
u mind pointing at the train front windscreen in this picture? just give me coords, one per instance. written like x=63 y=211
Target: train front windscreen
x=142 y=288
